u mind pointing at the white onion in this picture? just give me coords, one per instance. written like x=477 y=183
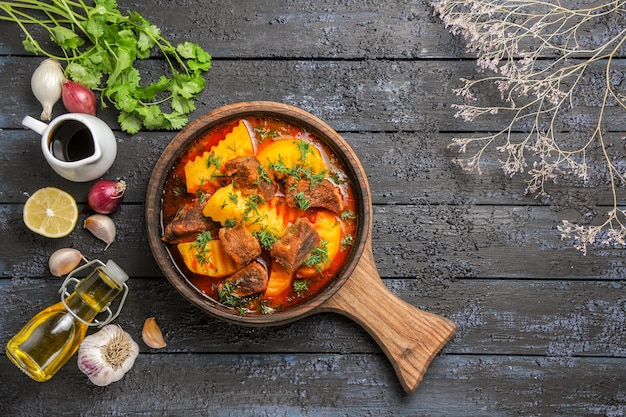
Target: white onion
x=47 y=83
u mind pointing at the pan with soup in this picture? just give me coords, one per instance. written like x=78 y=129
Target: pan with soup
x=258 y=214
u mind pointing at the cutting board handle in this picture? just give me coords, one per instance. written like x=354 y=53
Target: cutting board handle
x=410 y=337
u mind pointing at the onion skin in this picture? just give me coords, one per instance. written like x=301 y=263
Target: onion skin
x=106 y=196
x=77 y=98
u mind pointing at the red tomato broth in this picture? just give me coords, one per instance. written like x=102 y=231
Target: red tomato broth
x=264 y=131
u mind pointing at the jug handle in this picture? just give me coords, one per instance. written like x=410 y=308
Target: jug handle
x=34 y=124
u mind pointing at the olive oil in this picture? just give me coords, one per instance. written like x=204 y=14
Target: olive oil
x=52 y=337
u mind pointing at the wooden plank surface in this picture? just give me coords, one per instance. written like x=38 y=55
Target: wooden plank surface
x=541 y=327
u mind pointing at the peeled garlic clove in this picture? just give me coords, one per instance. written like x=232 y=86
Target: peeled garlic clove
x=151 y=334
x=102 y=227
x=107 y=355
x=63 y=261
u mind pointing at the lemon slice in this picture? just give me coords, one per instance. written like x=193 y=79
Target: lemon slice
x=51 y=212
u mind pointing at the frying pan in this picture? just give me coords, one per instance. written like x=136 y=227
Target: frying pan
x=410 y=337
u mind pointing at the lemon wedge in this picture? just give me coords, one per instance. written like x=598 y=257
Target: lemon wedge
x=51 y=212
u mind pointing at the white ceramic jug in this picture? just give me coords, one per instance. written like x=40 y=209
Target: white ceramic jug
x=79 y=147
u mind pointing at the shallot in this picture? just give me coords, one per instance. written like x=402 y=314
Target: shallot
x=78 y=98
x=47 y=84
x=105 y=196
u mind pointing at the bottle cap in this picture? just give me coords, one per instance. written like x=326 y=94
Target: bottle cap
x=115 y=272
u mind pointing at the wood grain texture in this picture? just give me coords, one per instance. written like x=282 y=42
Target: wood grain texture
x=410 y=337
x=541 y=328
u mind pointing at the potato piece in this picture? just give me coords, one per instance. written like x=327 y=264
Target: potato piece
x=202 y=172
x=329 y=229
x=279 y=281
x=210 y=260
x=289 y=153
x=230 y=207
x=226 y=204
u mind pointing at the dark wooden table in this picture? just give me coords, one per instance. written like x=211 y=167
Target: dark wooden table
x=541 y=327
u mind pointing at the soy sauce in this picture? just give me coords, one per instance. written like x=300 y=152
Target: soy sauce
x=71 y=141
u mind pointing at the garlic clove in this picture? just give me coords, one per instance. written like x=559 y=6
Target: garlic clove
x=102 y=227
x=63 y=261
x=107 y=355
x=152 y=335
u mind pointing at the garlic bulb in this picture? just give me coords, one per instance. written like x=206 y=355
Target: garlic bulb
x=47 y=85
x=102 y=227
x=107 y=355
x=63 y=261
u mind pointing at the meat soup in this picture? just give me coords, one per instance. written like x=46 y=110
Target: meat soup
x=258 y=214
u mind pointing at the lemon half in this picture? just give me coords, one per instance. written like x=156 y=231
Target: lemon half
x=51 y=212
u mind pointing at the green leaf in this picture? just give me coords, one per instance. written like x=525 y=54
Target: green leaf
x=104 y=6
x=153 y=117
x=186 y=85
x=123 y=98
x=95 y=26
x=198 y=58
x=186 y=50
x=144 y=45
x=66 y=38
x=182 y=105
x=31 y=45
x=129 y=122
x=83 y=75
x=176 y=120
x=153 y=89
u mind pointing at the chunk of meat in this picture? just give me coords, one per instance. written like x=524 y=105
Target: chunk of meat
x=295 y=245
x=249 y=176
x=248 y=281
x=187 y=224
x=240 y=244
x=325 y=194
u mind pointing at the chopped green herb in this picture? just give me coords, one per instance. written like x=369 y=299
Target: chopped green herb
x=265 y=308
x=265 y=237
x=318 y=256
x=303 y=202
x=347 y=240
x=300 y=286
x=227 y=297
x=305 y=149
x=264 y=175
x=212 y=160
x=347 y=215
x=229 y=223
x=264 y=133
x=199 y=244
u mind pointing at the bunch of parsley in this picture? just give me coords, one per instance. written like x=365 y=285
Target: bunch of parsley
x=101 y=46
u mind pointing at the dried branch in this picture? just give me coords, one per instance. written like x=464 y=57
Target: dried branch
x=537 y=54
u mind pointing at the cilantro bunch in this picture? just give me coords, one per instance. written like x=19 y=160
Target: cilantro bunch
x=101 y=47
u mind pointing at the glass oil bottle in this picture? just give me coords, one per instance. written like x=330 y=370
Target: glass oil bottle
x=52 y=337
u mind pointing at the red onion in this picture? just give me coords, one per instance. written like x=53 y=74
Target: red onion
x=77 y=98
x=106 y=196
